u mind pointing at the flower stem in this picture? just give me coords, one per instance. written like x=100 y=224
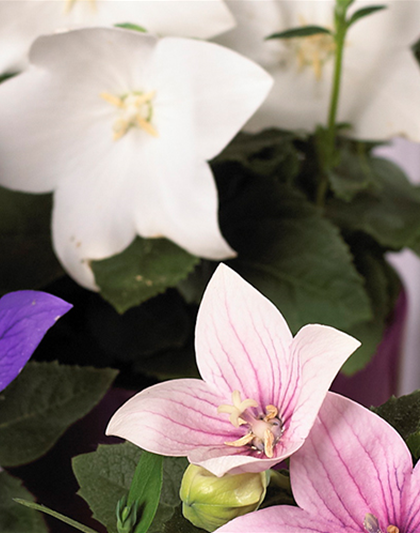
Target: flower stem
x=329 y=143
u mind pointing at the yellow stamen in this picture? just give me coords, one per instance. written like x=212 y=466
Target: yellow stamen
x=111 y=99
x=243 y=441
x=268 y=443
x=392 y=529
x=271 y=411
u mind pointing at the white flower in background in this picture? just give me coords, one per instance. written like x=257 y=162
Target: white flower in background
x=380 y=93
x=22 y=21
x=120 y=125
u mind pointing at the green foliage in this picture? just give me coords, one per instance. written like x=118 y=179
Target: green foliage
x=13 y=518
x=130 y=26
x=105 y=476
x=28 y=261
x=302 y=31
x=404 y=415
x=144 y=269
x=58 y=516
x=383 y=287
x=364 y=12
x=289 y=252
x=388 y=211
x=41 y=403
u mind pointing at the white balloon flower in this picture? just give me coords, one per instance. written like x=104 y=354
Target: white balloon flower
x=22 y=21
x=380 y=81
x=120 y=125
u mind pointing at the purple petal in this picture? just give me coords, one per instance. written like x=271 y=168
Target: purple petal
x=25 y=317
x=281 y=519
x=242 y=341
x=352 y=463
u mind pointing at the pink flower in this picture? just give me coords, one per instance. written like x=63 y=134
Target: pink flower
x=354 y=474
x=261 y=388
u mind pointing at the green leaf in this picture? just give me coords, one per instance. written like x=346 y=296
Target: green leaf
x=383 y=286
x=352 y=175
x=389 y=211
x=268 y=153
x=41 y=403
x=146 y=268
x=51 y=512
x=290 y=253
x=105 y=476
x=14 y=519
x=364 y=12
x=303 y=31
x=146 y=487
x=404 y=415
x=28 y=261
x=130 y=26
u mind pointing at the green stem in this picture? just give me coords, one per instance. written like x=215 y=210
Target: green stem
x=339 y=37
x=59 y=516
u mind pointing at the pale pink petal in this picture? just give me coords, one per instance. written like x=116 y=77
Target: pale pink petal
x=411 y=502
x=352 y=463
x=172 y=418
x=281 y=519
x=242 y=341
x=321 y=352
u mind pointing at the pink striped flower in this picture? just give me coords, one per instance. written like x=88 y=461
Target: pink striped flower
x=354 y=474
x=261 y=388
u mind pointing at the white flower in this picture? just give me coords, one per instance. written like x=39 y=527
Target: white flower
x=120 y=125
x=381 y=78
x=22 y=21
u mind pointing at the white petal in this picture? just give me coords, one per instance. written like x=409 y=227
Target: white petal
x=221 y=88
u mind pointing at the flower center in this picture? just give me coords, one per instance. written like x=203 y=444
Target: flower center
x=264 y=429
x=313 y=51
x=135 y=110
x=70 y=4
x=371 y=525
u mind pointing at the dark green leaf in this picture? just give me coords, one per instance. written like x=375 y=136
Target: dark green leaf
x=13 y=518
x=290 y=253
x=383 y=286
x=146 y=268
x=58 y=516
x=145 y=488
x=416 y=50
x=28 y=261
x=364 y=12
x=41 y=403
x=105 y=476
x=404 y=415
x=130 y=26
x=268 y=153
x=352 y=175
x=389 y=212
x=179 y=524
x=303 y=31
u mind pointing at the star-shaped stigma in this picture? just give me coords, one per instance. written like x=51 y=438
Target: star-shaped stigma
x=135 y=110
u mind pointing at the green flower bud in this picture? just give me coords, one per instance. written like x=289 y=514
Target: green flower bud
x=209 y=501
x=126 y=515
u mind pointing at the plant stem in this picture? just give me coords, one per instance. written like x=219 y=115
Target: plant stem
x=328 y=156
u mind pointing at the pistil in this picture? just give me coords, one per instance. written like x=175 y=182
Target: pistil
x=314 y=51
x=70 y=4
x=135 y=110
x=264 y=429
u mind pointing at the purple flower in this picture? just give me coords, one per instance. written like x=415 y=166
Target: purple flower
x=25 y=317
x=261 y=388
x=354 y=474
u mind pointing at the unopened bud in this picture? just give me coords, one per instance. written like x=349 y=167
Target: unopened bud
x=209 y=501
x=126 y=515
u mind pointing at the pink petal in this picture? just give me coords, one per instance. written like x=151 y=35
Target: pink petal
x=173 y=418
x=321 y=351
x=352 y=463
x=242 y=341
x=281 y=519
x=411 y=502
